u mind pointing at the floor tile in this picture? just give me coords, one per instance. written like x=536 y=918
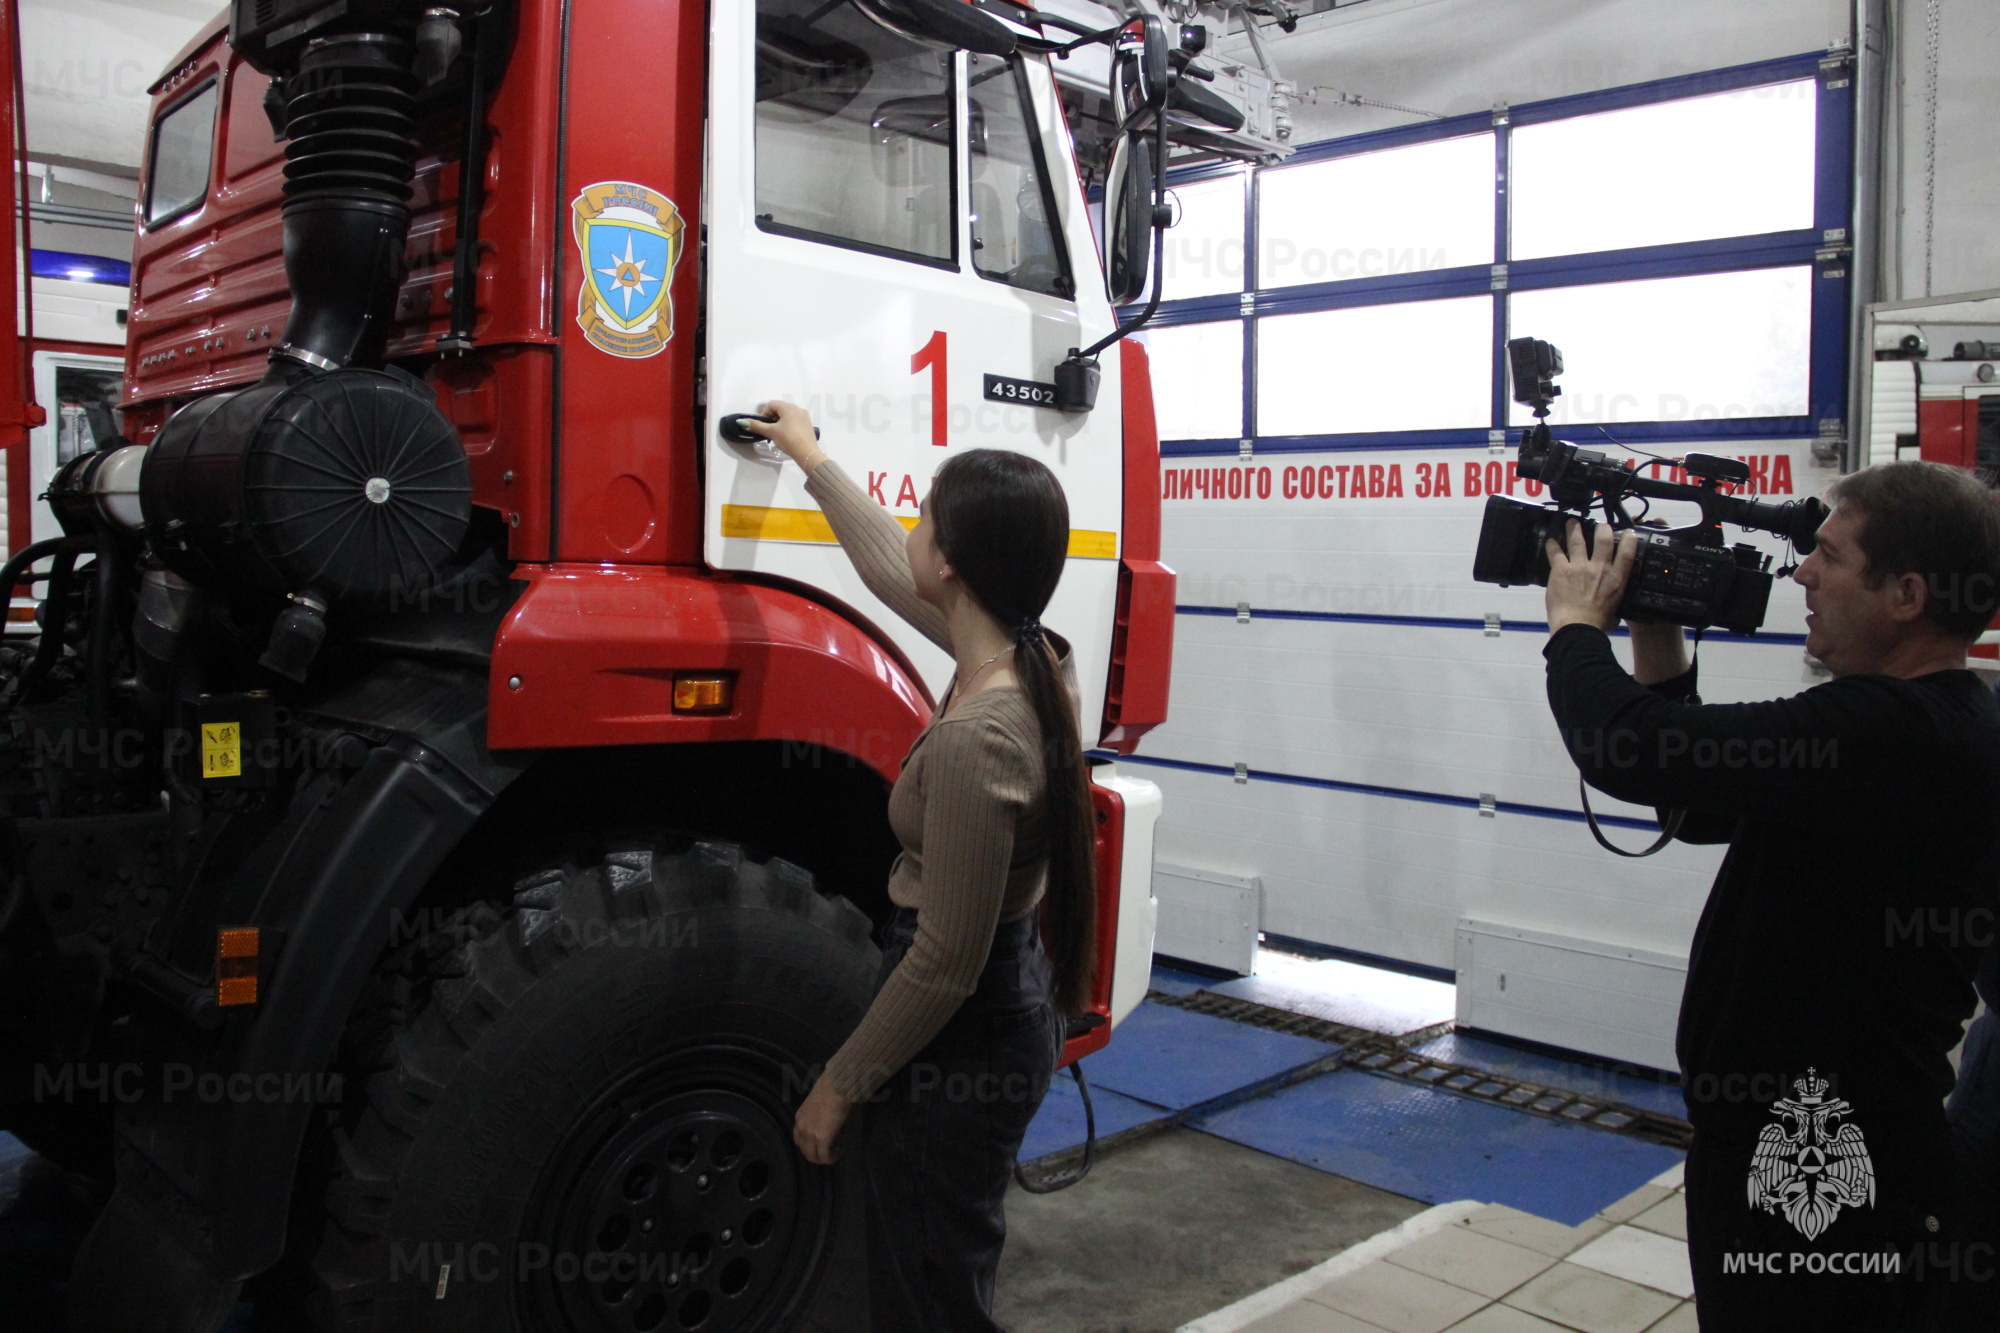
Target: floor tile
x=1059 y=1124
x=1680 y=1321
x=1614 y=1082
x=1309 y=1317
x=1535 y=1233
x=1669 y=1217
x=1645 y=1257
x=1591 y=1302
x=1395 y=1298
x=1176 y=1058
x=1467 y=1259
x=1437 y=1146
x=1505 y=1319
x=1635 y=1203
x=1672 y=1179
x=1342 y=992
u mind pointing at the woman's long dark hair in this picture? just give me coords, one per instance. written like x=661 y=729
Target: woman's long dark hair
x=1002 y=523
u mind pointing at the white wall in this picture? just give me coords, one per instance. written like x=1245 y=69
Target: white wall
x=1965 y=231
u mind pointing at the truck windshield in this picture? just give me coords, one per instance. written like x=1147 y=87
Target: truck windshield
x=854 y=133
x=1014 y=239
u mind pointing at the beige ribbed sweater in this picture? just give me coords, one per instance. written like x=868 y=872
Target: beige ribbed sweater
x=967 y=811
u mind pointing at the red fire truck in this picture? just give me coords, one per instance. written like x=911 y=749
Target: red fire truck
x=445 y=783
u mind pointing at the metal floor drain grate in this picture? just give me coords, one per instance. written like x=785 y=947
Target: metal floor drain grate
x=1391 y=1057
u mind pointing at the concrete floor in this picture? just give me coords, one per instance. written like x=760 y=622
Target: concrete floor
x=1171 y=1227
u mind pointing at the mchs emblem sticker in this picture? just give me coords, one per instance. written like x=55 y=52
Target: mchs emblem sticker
x=629 y=238
x=1813 y=1162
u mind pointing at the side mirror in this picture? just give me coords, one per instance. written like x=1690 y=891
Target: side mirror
x=1142 y=69
x=1128 y=219
x=950 y=25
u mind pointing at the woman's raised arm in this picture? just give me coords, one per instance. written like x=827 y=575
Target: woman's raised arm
x=870 y=535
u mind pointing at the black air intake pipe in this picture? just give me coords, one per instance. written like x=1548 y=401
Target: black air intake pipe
x=350 y=114
x=334 y=481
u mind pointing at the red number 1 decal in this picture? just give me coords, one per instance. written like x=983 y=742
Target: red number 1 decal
x=932 y=354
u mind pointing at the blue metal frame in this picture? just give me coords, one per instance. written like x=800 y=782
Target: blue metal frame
x=1821 y=247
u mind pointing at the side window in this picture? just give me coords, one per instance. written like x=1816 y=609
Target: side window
x=1014 y=239
x=854 y=133
x=183 y=140
x=88 y=416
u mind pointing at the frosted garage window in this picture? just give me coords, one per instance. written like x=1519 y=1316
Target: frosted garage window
x=183 y=142
x=1399 y=210
x=854 y=133
x=1198 y=380
x=1203 y=253
x=1676 y=349
x=1732 y=164
x=1423 y=366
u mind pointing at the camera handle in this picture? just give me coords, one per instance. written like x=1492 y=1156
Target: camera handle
x=1672 y=826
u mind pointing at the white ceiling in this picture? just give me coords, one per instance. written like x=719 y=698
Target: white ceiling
x=87 y=64
x=1460 y=56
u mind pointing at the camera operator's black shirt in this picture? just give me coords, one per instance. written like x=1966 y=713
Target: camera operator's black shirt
x=1850 y=914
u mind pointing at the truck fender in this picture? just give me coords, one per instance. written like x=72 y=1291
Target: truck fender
x=214 y=1164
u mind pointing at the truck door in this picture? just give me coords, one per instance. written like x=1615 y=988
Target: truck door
x=897 y=241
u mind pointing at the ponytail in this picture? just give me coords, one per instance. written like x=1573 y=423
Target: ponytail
x=1003 y=523
x=1069 y=925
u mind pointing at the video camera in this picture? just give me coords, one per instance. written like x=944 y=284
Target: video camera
x=1682 y=576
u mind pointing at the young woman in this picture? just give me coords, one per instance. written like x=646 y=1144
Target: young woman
x=993 y=813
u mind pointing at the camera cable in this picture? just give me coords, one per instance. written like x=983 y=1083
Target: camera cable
x=1062 y=1180
x=1670 y=826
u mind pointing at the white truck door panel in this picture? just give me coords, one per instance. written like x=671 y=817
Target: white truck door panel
x=845 y=278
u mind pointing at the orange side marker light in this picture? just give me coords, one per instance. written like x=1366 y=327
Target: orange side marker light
x=236 y=949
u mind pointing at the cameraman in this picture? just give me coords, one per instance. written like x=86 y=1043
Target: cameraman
x=1832 y=968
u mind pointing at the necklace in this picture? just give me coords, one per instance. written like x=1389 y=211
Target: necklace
x=974 y=675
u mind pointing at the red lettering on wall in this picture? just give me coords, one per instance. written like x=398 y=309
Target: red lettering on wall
x=1781 y=475
x=1395 y=479
x=875 y=480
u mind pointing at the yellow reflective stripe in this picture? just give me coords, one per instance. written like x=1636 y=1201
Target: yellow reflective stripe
x=766 y=523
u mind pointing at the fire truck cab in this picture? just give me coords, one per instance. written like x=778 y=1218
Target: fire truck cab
x=445 y=784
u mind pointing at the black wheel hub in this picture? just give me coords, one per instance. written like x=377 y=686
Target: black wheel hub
x=678 y=1209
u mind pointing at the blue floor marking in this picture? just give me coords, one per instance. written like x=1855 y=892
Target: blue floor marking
x=1439 y=1147
x=1174 y=1058
x=1059 y=1123
x=1606 y=1081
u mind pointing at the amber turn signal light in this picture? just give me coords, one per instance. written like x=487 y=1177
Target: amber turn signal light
x=236 y=965
x=703 y=695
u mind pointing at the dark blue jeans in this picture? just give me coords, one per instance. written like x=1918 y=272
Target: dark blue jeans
x=941 y=1138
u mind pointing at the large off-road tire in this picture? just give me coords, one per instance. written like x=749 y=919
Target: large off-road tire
x=581 y=1118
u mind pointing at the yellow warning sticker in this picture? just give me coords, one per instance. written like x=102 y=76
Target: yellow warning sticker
x=222 y=749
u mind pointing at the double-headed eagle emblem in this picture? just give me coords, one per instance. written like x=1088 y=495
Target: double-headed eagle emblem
x=1813 y=1162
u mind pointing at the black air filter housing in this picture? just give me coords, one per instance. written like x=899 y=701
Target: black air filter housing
x=350 y=485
